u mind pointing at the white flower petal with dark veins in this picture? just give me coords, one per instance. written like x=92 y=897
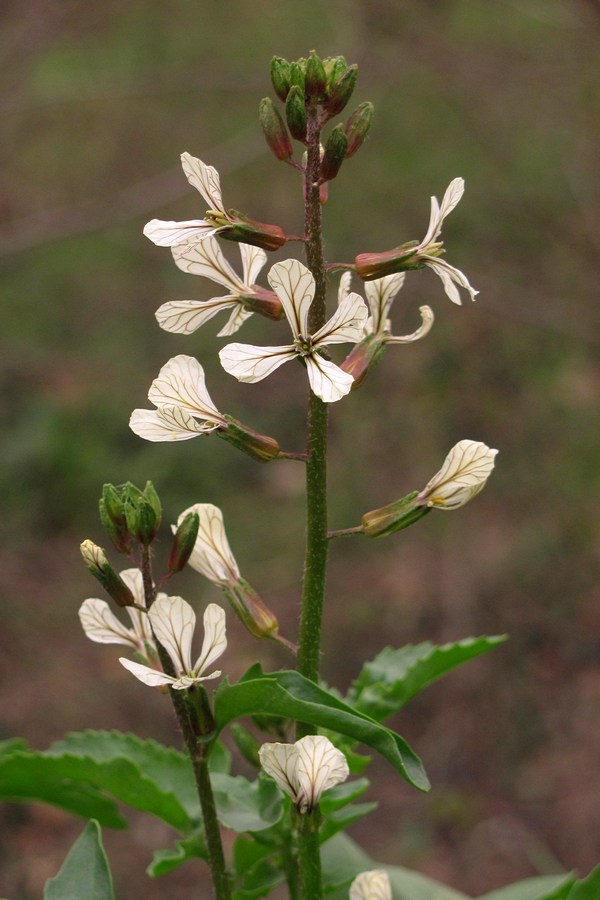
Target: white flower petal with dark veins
x=205 y=179
x=102 y=626
x=373 y=885
x=186 y=316
x=327 y=380
x=295 y=286
x=464 y=473
x=170 y=234
x=346 y=324
x=173 y=622
x=305 y=769
x=207 y=260
x=250 y=363
x=169 y=423
x=181 y=382
x=212 y=555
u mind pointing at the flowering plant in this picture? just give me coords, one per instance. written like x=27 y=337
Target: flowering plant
x=289 y=815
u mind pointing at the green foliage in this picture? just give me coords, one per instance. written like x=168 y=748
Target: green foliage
x=191 y=847
x=244 y=805
x=85 y=872
x=395 y=676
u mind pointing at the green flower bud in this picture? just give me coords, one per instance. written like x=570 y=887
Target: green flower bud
x=274 y=130
x=112 y=516
x=259 y=446
x=142 y=512
x=280 y=77
x=341 y=91
x=334 y=69
x=295 y=113
x=336 y=150
x=297 y=70
x=184 y=542
x=97 y=563
x=357 y=127
x=246 y=744
x=394 y=516
x=251 y=610
x=315 y=79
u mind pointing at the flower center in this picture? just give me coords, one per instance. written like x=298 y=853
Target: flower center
x=304 y=345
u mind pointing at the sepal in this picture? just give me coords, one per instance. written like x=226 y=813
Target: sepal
x=394 y=516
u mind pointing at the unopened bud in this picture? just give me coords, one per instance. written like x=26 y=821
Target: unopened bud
x=246 y=744
x=295 y=113
x=357 y=127
x=280 y=77
x=334 y=69
x=336 y=150
x=274 y=130
x=341 y=91
x=259 y=446
x=112 y=516
x=394 y=516
x=250 y=609
x=184 y=541
x=142 y=511
x=246 y=231
x=369 y=266
x=264 y=302
x=362 y=358
x=297 y=71
x=99 y=566
x=315 y=82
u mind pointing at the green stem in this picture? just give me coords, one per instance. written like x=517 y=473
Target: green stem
x=309 y=856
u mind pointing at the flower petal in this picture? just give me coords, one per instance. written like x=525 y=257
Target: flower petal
x=134 y=580
x=186 y=316
x=205 y=179
x=181 y=382
x=344 y=288
x=295 y=286
x=169 y=423
x=215 y=639
x=253 y=260
x=170 y=234
x=102 y=626
x=453 y=193
x=247 y=362
x=449 y=275
x=212 y=555
x=236 y=319
x=207 y=260
x=327 y=380
x=279 y=761
x=173 y=622
x=380 y=295
x=346 y=324
x=373 y=885
x=320 y=765
x=151 y=677
x=464 y=473
x=427 y=319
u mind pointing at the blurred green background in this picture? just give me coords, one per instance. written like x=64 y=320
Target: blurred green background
x=98 y=102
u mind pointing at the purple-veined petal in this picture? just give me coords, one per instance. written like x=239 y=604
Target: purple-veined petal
x=279 y=761
x=169 y=423
x=236 y=319
x=453 y=193
x=207 y=260
x=102 y=626
x=212 y=555
x=319 y=766
x=151 y=677
x=327 y=380
x=173 y=622
x=170 y=234
x=181 y=382
x=450 y=277
x=424 y=328
x=344 y=287
x=253 y=260
x=215 y=639
x=346 y=324
x=134 y=580
x=186 y=316
x=295 y=286
x=464 y=473
x=380 y=296
x=205 y=179
x=247 y=362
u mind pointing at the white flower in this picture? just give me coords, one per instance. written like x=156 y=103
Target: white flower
x=295 y=287
x=428 y=250
x=173 y=622
x=380 y=295
x=464 y=473
x=102 y=626
x=305 y=769
x=212 y=555
x=183 y=405
x=206 y=259
x=206 y=180
x=373 y=885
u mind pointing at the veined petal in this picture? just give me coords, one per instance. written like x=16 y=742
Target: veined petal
x=207 y=260
x=279 y=761
x=373 y=885
x=346 y=324
x=247 y=362
x=295 y=286
x=427 y=319
x=188 y=681
x=215 y=639
x=453 y=193
x=380 y=295
x=237 y=317
x=205 y=179
x=450 y=276
x=173 y=622
x=170 y=234
x=344 y=288
x=212 y=555
x=181 y=382
x=464 y=473
x=327 y=380
x=169 y=423
x=151 y=677
x=253 y=260
x=102 y=626
x=186 y=316
x=135 y=582
x=320 y=766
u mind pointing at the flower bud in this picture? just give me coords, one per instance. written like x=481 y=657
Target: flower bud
x=142 y=512
x=394 y=516
x=369 y=266
x=97 y=563
x=295 y=113
x=315 y=79
x=274 y=130
x=297 y=70
x=243 y=230
x=250 y=609
x=112 y=516
x=264 y=302
x=258 y=446
x=336 y=150
x=357 y=127
x=362 y=358
x=334 y=69
x=246 y=744
x=341 y=91
x=184 y=542
x=280 y=77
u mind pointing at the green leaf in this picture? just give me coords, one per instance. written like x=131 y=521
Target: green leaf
x=85 y=872
x=289 y=695
x=11 y=745
x=244 y=805
x=395 y=676
x=588 y=888
x=256 y=874
x=191 y=847
x=342 y=818
x=545 y=887
x=342 y=794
